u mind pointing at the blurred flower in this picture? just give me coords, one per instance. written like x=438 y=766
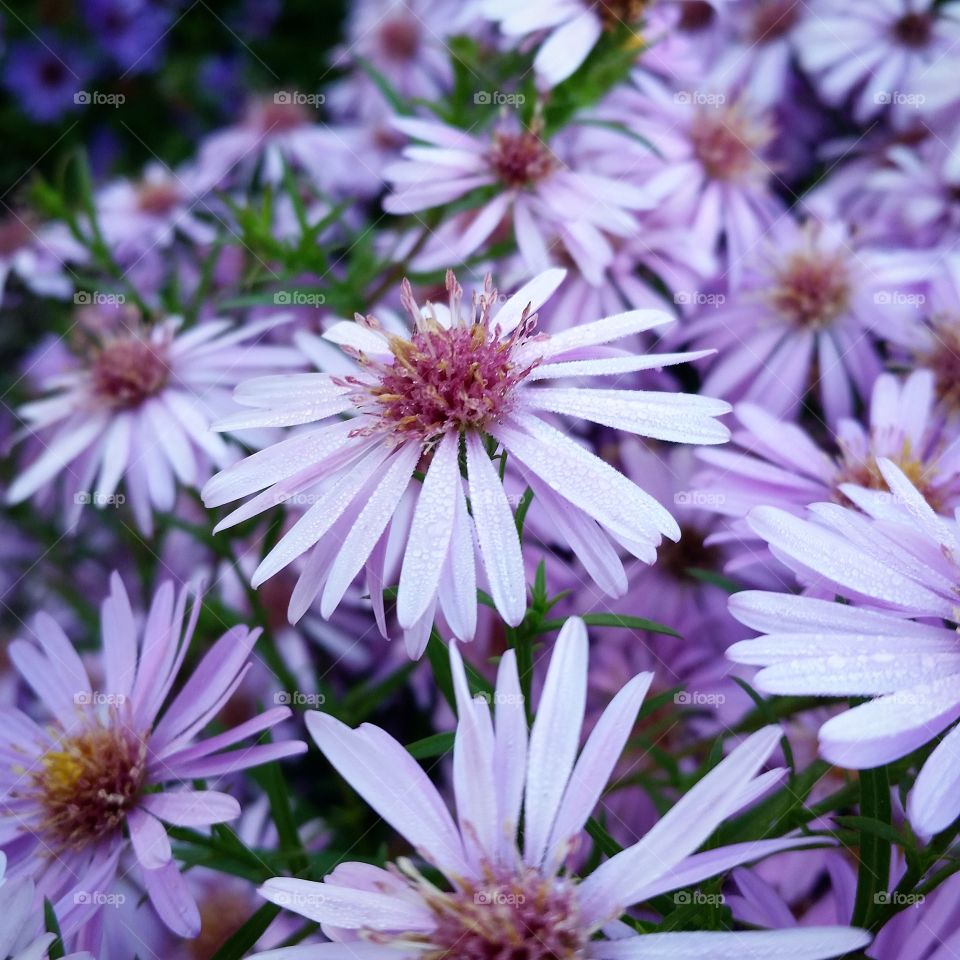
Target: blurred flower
x=46 y=76
x=136 y=406
x=502 y=899
x=112 y=765
x=461 y=382
x=132 y=32
x=37 y=255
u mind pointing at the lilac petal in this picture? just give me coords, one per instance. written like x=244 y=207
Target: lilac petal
x=510 y=752
x=249 y=728
x=430 y=532
x=800 y=943
x=567 y=47
x=890 y=727
x=600 y=331
x=394 y=785
x=347 y=908
x=149 y=839
x=234 y=760
x=555 y=738
x=595 y=765
x=119 y=638
x=172 y=900
x=532 y=295
x=496 y=533
x=458 y=580
x=934 y=801
x=192 y=808
x=354 y=950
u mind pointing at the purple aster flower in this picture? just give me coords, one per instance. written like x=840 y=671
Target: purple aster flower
x=535 y=187
x=37 y=254
x=45 y=75
x=892 y=55
x=132 y=32
x=462 y=382
x=500 y=895
x=779 y=464
x=136 y=407
x=573 y=28
x=115 y=762
x=804 y=317
x=896 y=560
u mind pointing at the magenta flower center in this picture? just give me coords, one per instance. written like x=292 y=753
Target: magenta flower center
x=520 y=159
x=89 y=783
x=695 y=15
x=727 y=142
x=128 y=370
x=772 y=20
x=913 y=30
x=400 y=38
x=811 y=290
x=15 y=232
x=281 y=117
x=524 y=916
x=158 y=198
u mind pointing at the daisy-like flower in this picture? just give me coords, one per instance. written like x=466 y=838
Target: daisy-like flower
x=36 y=255
x=116 y=761
x=573 y=26
x=895 y=559
x=892 y=55
x=136 y=409
x=436 y=400
x=804 y=317
x=20 y=921
x=501 y=898
x=779 y=464
x=545 y=198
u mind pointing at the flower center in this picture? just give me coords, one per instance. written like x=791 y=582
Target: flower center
x=522 y=916
x=15 y=232
x=727 y=142
x=811 y=290
x=272 y=116
x=400 y=38
x=772 y=20
x=128 y=370
x=943 y=359
x=690 y=552
x=444 y=378
x=695 y=15
x=520 y=159
x=866 y=473
x=913 y=30
x=613 y=13
x=158 y=198
x=89 y=783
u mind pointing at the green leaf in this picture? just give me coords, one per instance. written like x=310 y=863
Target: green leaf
x=52 y=925
x=432 y=746
x=613 y=620
x=874 y=873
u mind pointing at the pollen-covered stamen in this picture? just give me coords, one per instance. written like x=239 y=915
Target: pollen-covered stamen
x=89 y=782
x=520 y=159
x=727 y=141
x=127 y=370
x=811 y=289
x=504 y=916
x=613 y=13
x=444 y=378
x=943 y=359
x=863 y=471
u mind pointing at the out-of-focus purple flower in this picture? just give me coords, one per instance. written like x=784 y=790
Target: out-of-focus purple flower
x=895 y=55
x=255 y=18
x=535 y=187
x=46 y=76
x=896 y=554
x=37 y=255
x=804 y=318
x=403 y=404
x=503 y=895
x=136 y=407
x=132 y=32
x=115 y=762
